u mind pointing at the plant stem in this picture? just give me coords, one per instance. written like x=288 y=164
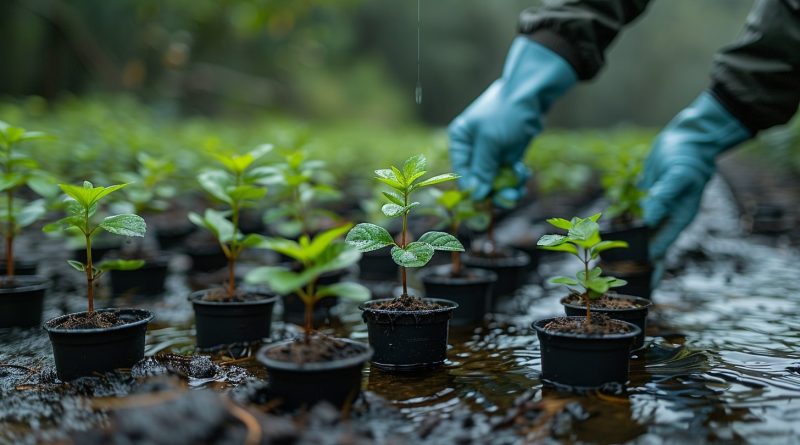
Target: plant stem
x=456 y=256
x=10 y=223
x=586 y=277
x=234 y=248
x=89 y=270
x=403 y=243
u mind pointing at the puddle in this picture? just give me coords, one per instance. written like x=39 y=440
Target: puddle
x=721 y=363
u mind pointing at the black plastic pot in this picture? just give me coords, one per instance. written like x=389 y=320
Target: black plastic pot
x=378 y=265
x=337 y=382
x=21 y=267
x=638 y=239
x=583 y=361
x=294 y=311
x=147 y=281
x=408 y=340
x=638 y=276
x=636 y=316
x=83 y=352
x=472 y=291
x=208 y=258
x=512 y=271
x=171 y=237
x=223 y=323
x=21 y=305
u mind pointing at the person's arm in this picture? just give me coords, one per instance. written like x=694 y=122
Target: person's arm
x=561 y=43
x=755 y=85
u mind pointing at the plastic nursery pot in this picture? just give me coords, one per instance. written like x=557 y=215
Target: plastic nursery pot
x=377 y=265
x=337 y=382
x=581 y=360
x=21 y=267
x=294 y=311
x=83 y=352
x=638 y=276
x=21 y=301
x=207 y=258
x=408 y=340
x=146 y=281
x=636 y=316
x=171 y=237
x=512 y=270
x=226 y=322
x=638 y=239
x=472 y=291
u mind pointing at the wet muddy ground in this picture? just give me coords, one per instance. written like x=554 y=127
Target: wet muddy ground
x=721 y=365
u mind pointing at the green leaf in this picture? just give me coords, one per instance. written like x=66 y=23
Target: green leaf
x=368 y=237
x=387 y=176
x=245 y=193
x=287 y=247
x=394 y=210
x=605 y=245
x=595 y=217
x=413 y=166
x=566 y=247
x=551 y=240
x=563 y=280
x=416 y=254
x=125 y=225
x=394 y=197
x=560 y=223
x=324 y=240
x=437 y=180
x=216 y=183
x=215 y=222
x=43 y=185
x=347 y=290
x=77 y=265
x=449 y=199
x=88 y=195
x=442 y=241
x=599 y=285
x=280 y=279
x=252 y=240
x=616 y=282
x=30 y=213
x=399 y=176
x=120 y=265
x=11 y=180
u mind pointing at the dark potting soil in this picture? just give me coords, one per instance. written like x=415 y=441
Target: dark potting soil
x=221 y=295
x=600 y=325
x=604 y=302
x=91 y=320
x=406 y=303
x=320 y=348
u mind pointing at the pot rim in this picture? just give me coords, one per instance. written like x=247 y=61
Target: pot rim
x=449 y=306
x=148 y=316
x=433 y=275
x=267 y=362
x=196 y=298
x=34 y=283
x=644 y=302
x=538 y=326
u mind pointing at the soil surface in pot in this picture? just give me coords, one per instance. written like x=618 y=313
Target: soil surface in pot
x=406 y=303
x=320 y=348
x=599 y=326
x=604 y=302
x=91 y=320
x=221 y=295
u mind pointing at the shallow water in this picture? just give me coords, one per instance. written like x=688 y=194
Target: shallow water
x=721 y=365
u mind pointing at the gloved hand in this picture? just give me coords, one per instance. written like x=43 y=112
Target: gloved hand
x=494 y=131
x=680 y=164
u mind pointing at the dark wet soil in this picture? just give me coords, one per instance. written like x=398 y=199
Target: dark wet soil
x=221 y=295
x=604 y=302
x=90 y=320
x=599 y=325
x=319 y=348
x=404 y=304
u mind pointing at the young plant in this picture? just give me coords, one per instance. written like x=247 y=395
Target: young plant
x=367 y=237
x=583 y=241
x=620 y=182
x=236 y=186
x=506 y=178
x=82 y=204
x=18 y=170
x=302 y=185
x=149 y=189
x=456 y=208
x=318 y=255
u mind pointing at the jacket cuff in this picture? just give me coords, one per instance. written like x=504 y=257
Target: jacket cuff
x=559 y=45
x=742 y=112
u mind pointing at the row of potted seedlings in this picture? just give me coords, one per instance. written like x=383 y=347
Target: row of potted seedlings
x=405 y=333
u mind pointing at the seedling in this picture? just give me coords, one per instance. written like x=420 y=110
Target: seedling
x=506 y=178
x=303 y=186
x=583 y=241
x=236 y=186
x=456 y=208
x=367 y=237
x=620 y=179
x=149 y=189
x=18 y=170
x=318 y=255
x=82 y=204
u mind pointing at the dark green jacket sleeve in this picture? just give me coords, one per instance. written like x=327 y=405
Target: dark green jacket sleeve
x=580 y=30
x=757 y=78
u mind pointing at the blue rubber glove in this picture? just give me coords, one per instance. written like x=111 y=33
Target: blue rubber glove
x=494 y=131
x=680 y=164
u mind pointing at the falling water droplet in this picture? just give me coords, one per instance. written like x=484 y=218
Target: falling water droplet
x=418 y=94
x=418 y=89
